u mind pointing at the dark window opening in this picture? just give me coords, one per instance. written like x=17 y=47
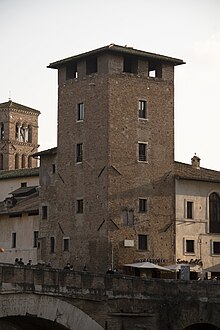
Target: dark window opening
x=79 y=152
x=155 y=70
x=2 y=131
x=142 y=152
x=190 y=246
x=53 y=168
x=142 y=109
x=13 y=240
x=15 y=215
x=71 y=71
x=35 y=240
x=23 y=161
x=16 y=161
x=23 y=184
x=214 y=213
x=1 y=162
x=189 y=210
x=44 y=212
x=142 y=242
x=80 y=111
x=216 y=247
x=142 y=205
x=66 y=244
x=130 y=64
x=91 y=65
x=34 y=212
x=29 y=134
x=79 y=206
x=52 y=244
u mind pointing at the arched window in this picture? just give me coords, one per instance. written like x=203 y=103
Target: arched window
x=2 y=131
x=30 y=161
x=1 y=162
x=16 y=161
x=214 y=213
x=17 y=132
x=29 y=134
x=23 y=161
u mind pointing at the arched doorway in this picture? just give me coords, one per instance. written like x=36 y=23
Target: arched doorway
x=201 y=326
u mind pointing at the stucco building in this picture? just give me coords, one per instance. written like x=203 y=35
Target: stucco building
x=19 y=179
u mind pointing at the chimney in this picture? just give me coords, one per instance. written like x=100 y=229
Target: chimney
x=195 y=161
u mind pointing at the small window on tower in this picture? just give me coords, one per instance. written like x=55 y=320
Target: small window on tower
x=79 y=152
x=71 y=71
x=142 y=205
x=79 y=206
x=142 y=152
x=80 y=111
x=142 y=109
x=91 y=65
x=142 y=242
x=66 y=243
x=44 y=212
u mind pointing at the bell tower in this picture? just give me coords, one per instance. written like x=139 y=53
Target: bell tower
x=18 y=136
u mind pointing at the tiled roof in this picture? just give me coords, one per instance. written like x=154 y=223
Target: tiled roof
x=47 y=152
x=23 y=172
x=23 y=205
x=23 y=191
x=119 y=50
x=17 y=106
x=188 y=172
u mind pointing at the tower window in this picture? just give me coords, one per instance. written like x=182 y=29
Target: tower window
x=79 y=152
x=80 y=111
x=155 y=70
x=91 y=65
x=142 y=205
x=142 y=109
x=44 y=212
x=79 y=206
x=142 y=242
x=71 y=71
x=130 y=64
x=66 y=244
x=142 y=156
x=52 y=244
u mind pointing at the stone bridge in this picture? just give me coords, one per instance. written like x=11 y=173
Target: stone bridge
x=45 y=298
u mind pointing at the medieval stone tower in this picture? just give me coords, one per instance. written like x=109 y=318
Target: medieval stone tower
x=112 y=201
x=18 y=136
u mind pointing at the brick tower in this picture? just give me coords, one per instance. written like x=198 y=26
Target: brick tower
x=18 y=136
x=114 y=199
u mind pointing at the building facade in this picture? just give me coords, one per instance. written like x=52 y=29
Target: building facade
x=18 y=136
x=113 y=187
x=197 y=229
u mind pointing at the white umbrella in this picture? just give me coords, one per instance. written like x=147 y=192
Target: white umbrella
x=213 y=269
x=147 y=265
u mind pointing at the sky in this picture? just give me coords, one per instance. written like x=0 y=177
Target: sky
x=34 y=33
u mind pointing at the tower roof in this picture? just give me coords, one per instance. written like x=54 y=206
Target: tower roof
x=13 y=105
x=112 y=48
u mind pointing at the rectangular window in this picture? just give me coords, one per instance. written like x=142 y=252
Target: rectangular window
x=189 y=210
x=142 y=205
x=44 y=212
x=91 y=65
x=52 y=244
x=142 y=149
x=142 y=109
x=216 y=247
x=190 y=246
x=79 y=206
x=23 y=184
x=35 y=238
x=142 y=242
x=53 y=168
x=79 y=152
x=80 y=111
x=66 y=244
x=13 y=240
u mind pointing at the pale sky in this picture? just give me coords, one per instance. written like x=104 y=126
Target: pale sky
x=34 y=33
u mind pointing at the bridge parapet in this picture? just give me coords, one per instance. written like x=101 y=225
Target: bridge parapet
x=116 y=300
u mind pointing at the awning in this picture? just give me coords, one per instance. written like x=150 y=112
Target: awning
x=213 y=269
x=147 y=265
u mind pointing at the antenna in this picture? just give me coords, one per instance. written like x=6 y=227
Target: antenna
x=9 y=96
